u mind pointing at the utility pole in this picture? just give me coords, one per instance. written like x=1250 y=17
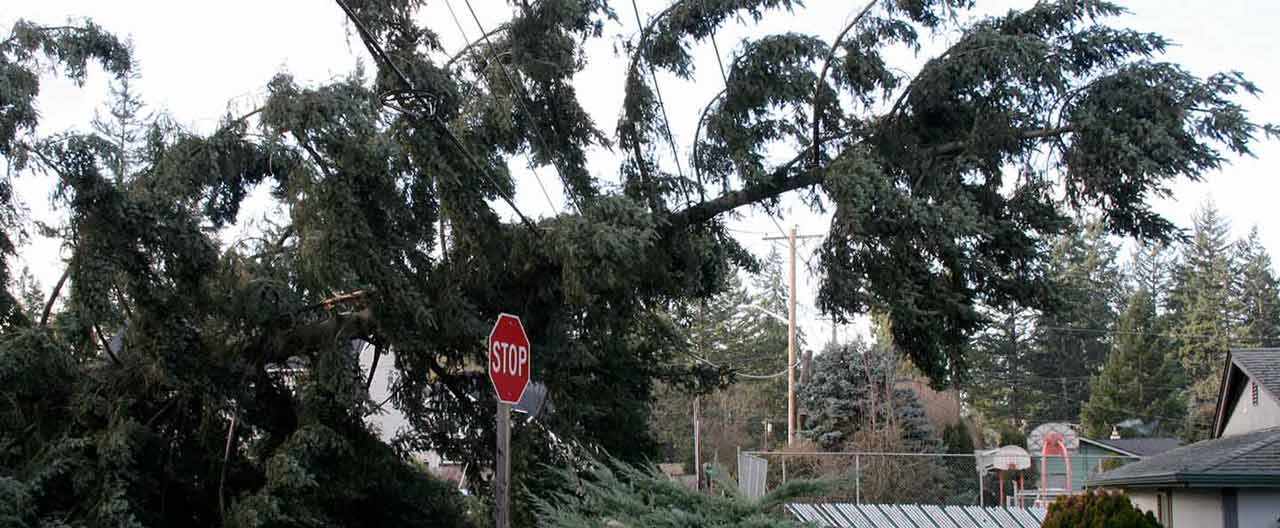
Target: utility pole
x=791 y=331
x=697 y=439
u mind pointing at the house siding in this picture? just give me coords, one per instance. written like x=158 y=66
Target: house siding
x=1259 y=508
x=1086 y=463
x=1196 y=509
x=1246 y=417
x=1203 y=508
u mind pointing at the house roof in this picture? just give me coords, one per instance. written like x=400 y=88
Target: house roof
x=1259 y=365
x=1143 y=447
x=1246 y=460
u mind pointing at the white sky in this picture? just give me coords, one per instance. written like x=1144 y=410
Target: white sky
x=200 y=59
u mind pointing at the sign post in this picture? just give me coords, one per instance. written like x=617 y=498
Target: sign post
x=509 y=366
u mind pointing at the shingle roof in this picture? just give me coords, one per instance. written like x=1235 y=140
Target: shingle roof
x=1143 y=447
x=1262 y=365
x=1250 y=459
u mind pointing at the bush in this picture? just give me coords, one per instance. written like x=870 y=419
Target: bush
x=1100 y=509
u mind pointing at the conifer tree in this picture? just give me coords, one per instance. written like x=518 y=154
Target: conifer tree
x=155 y=395
x=1073 y=337
x=1203 y=314
x=1141 y=380
x=1258 y=293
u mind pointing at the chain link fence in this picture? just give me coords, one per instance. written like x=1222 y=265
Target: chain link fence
x=920 y=478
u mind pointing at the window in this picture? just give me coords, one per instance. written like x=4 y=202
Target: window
x=1253 y=393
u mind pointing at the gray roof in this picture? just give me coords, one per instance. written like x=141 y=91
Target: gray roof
x=1262 y=365
x=911 y=515
x=1259 y=365
x=1143 y=447
x=1245 y=460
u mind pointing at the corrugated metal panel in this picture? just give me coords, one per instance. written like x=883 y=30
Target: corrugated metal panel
x=1040 y=513
x=984 y=516
x=811 y=514
x=1003 y=518
x=940 y=517
x=855 y=517
x=1024 y=518
x=874 y=515
x=752 y=471
x=900 y=517
x=961 y=518
x=844 y=515
x=918 y=516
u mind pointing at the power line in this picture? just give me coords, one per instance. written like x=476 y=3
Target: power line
x=381 y=55
x=536 y=177
x=533 y=122
x=653 y=73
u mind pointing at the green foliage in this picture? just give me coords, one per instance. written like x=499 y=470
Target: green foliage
x=854 y=388
x=1202 y=303
x=616 y=494
x=1258 y=290
x=1094 y=508
x=1141 y=379
x=730 y=335
x=153 y=396
x=1033 y=367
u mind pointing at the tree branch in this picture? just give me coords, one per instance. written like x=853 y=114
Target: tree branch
x=822 y=76
x=106 y=347
x=781 y=182
x=953 y=147
x=462 y=52
x=778 y=183
x=373 y=367
x=57 y=288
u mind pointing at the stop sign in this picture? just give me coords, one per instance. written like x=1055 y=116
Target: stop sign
x=509 y=356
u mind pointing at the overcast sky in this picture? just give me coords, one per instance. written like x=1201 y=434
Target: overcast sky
x=200 y=60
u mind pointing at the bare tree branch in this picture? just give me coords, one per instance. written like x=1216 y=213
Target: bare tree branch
x=57 y=288
x=822 y=76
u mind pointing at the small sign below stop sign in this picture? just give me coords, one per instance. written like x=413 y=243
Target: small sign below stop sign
x=509 y=358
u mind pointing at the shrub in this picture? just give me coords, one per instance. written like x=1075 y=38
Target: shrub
x=1097 y=509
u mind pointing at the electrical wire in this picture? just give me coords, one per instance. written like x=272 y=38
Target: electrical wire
x=467 y=40
x=653 y=74
x=418 y=95
x=520 y=99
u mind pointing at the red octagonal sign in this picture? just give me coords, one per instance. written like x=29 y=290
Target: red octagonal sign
x=509 y=358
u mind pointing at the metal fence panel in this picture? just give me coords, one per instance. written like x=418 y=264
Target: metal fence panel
x=752 y=471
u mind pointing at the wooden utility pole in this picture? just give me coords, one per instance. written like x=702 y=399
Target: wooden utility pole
x=502 y=468
x=697 y=439
x=791 y=342
x=792 y=422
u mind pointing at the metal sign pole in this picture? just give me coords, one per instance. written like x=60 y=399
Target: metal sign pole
x=502 y=469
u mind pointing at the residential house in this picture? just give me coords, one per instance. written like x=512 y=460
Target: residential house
x=1231 y=480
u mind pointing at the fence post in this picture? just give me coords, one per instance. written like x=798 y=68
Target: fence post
x=784 y=469
x=857 y=479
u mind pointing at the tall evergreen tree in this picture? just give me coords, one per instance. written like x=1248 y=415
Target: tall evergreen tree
x=169 y=343
x=1257 y=291
x=1142 y=379
x=1073 y=338
x=124 y=126
x=1151 y=268
x=1204 y=309
x=997 y=383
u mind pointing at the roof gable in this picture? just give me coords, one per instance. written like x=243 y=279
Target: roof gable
x=1259 y=365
